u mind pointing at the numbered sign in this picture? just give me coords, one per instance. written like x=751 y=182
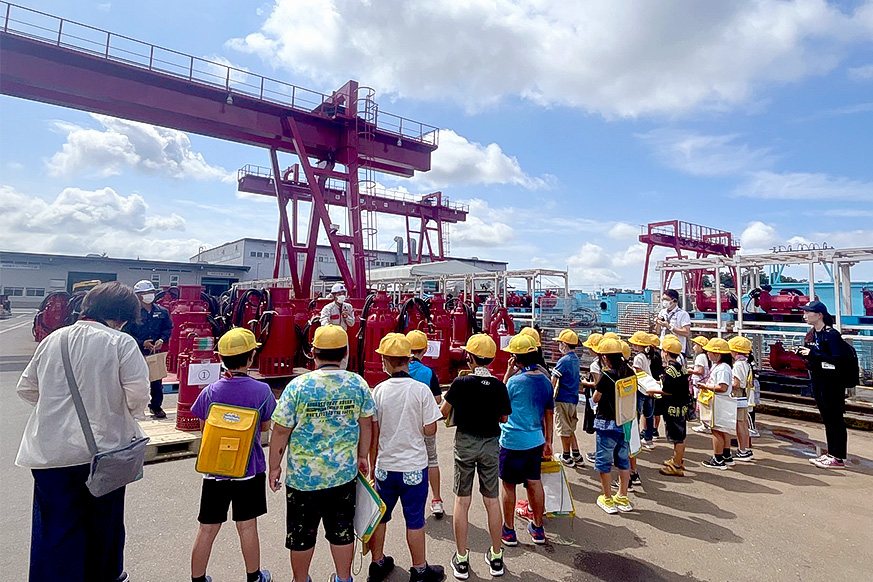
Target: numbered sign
x=203 y=374
x=433 y=349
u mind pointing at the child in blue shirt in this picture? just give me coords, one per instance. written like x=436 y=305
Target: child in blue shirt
x=566 y=382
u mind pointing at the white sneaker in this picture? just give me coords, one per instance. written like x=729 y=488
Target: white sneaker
x=436 y=507
x=702 y=429
x=818 y=459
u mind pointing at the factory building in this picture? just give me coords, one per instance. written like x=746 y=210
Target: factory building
x=259 y=256
x=28 y=277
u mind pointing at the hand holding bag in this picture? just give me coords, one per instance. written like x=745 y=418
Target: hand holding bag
x=110 y=470
x=157 y=364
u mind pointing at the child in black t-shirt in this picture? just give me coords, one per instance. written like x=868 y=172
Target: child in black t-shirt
x=674 y=404
x=477 y=403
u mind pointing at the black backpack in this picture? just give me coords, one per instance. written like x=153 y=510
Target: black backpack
x=848 y=370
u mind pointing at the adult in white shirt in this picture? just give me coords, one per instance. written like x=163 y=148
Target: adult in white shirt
x=338 y=312
x=76 y=536
x=672 y=319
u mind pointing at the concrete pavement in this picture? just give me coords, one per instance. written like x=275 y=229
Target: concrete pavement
x=777 y=519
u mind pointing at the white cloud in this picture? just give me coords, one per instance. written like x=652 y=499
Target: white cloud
x=459 y=162
x=682 y=55
x=484 y=227
x=633 y=256
x=623 y=231
x=846 y=213
x=123 y=144
x=758 y=237
x=83 y=221
x=705 y=155
x=804 y=186
x=864 y=73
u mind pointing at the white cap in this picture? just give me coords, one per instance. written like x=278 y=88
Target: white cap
x=338 y=288
x=143 y=286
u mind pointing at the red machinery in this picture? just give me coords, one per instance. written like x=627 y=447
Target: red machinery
x=199 y=349
x=548 y=300
x=279 y=331
x=868 y=301
x=704 y=300
x=786 y=302
x=190 y=318
x=502 y=327
x=785 y=362
x=379 y=319
x=441 y=331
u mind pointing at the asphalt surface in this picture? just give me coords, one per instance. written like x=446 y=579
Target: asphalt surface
x=777 y=519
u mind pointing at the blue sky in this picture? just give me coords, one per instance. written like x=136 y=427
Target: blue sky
x=564 y=127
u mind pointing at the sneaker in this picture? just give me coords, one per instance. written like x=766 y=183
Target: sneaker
x=430 y=574
x=656 y=434
x=606 y=504
x=830 y=462
x=648 y=446
x=754 y=433
x=671 y=470
x=537 y=534
x=702 y=429
x=523 y=510
x=818 y=458
x=592 y=457
x=158 y=413
x=495 y=562
x=713 y=463
x=267 y=577
x=622 y=503
x=630 y=485
x=436 y=507
x=729 y=460
x=509 y=537
x=670 y=461
x=567 y=461
x=379 y=572
x=744 y=456
x=461 y=567
x=634 y=480
x=125 y=577
x=578 y=460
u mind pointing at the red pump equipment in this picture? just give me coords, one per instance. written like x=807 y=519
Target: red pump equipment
x=786 y=362
x=379 y=319
x=279 y=333
x=190 y=318
x=441 y=331
x=786 y=302
x=501 y=329
x=705 y=301
x=199 y=350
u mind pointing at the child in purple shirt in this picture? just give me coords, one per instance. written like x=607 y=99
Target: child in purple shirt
x=246 y=494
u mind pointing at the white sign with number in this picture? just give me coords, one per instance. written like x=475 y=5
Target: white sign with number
x=504 y=341
x=433 y=349
x=203 y=374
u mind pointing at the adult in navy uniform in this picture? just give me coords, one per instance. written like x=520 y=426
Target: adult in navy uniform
x=152 y=335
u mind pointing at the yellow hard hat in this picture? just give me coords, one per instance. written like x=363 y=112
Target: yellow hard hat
x=654 y=340
x=701 y=340
x=395 y=345
x=592 y=340
x=717 y=346
x=238 y=340
x=625 y=349
x=609 y=346
x=611 y=335
x=640 y=338
x=740 y=344
x=529 y=331
x=671 y=344
x=417 y=340
x=521 y=344
x=330 y=337
x=568 y=336
x=481 y=345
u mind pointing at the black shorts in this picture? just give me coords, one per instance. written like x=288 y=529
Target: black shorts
x=248 y=496
x=675 y=427
x=305 y=509
x=517 y=467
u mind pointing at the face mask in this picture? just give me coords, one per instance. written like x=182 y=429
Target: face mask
x=148 y=298
x=340 y=298
x=666 y=304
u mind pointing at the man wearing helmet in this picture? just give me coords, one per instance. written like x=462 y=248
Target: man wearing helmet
x=152 y=335
x=338 y=312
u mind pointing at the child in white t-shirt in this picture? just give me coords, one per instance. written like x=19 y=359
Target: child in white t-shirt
x=699 y=372
x=741 y=349
x=719 y=384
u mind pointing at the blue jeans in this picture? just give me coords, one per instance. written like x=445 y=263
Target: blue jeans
x=646 y=408
x=156 y=389
x=611 y=445
x=75 y=537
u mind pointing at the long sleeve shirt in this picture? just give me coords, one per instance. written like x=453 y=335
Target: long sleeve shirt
x=336 y=314
x=154 y=325
x=113 y=380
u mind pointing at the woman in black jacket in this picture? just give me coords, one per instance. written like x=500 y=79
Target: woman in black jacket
x=821 y=350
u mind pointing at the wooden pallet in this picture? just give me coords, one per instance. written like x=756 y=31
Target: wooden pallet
x=166 y=443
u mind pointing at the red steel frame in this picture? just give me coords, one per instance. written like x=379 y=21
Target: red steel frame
x=685 y=236
x=61 y=62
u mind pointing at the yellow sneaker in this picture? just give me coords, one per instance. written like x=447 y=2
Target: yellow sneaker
x=672 y=470
x=607 y=504
x=622 y=503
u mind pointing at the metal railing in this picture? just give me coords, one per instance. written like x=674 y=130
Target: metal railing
x=341 y=185
x=75 y=36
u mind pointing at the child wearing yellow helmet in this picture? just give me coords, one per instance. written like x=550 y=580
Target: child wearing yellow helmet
x=699 y=373
x=741 y=350
x=588 y=383
x=719 y=383
x=612 y=446
x=642 y=342
x=566 y=383
x=674 y=404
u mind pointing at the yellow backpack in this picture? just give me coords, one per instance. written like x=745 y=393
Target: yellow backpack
x=226 y=446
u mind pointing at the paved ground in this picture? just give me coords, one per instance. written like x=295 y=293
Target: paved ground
x=777 y=519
